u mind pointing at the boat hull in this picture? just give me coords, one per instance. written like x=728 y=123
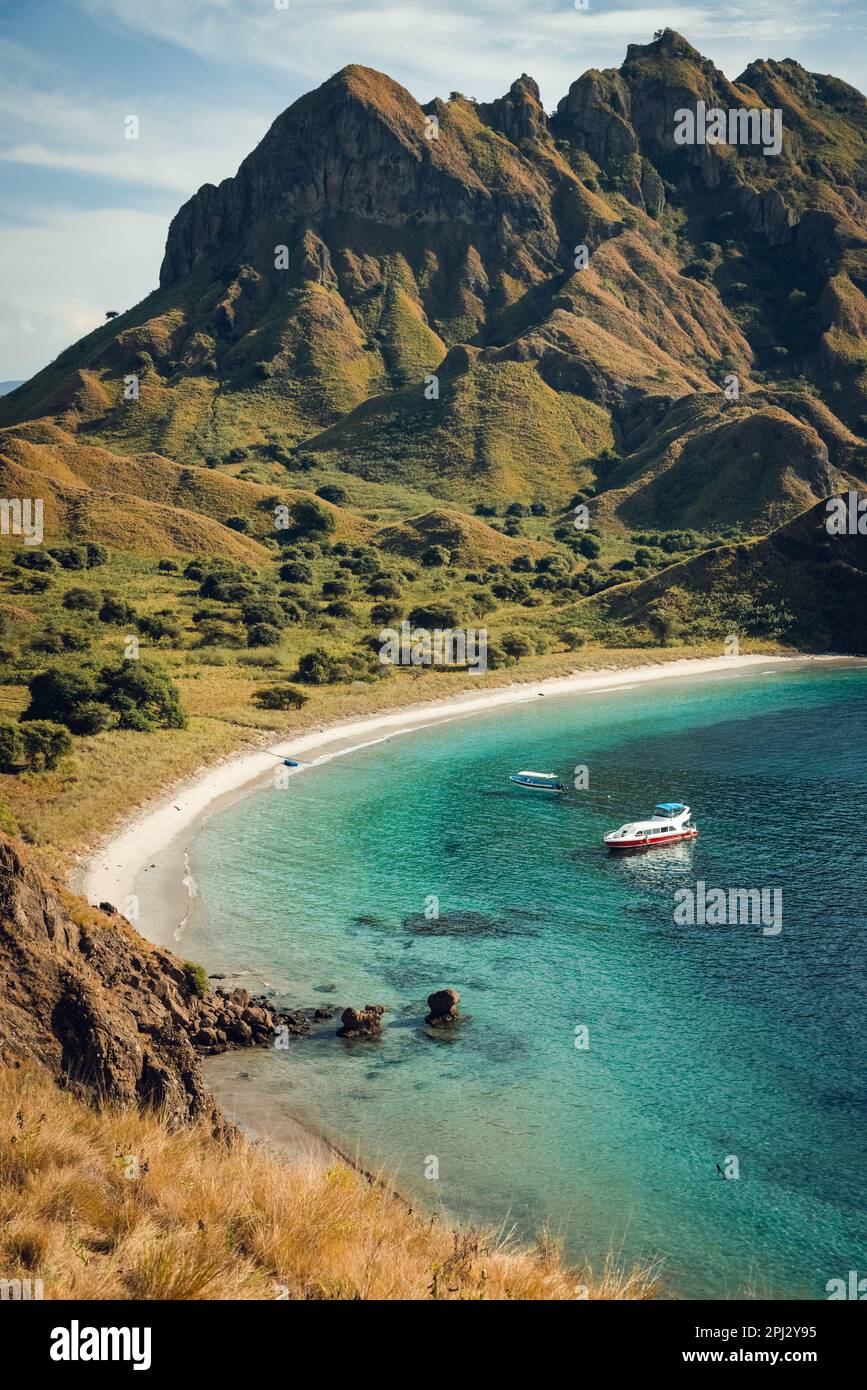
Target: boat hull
x=632 y=846
x=535 y=786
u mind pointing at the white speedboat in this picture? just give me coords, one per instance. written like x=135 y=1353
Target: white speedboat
x=670 y=822
x=538 y=781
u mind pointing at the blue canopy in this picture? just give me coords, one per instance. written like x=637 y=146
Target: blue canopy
x=670 y=806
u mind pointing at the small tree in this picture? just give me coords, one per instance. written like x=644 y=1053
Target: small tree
x=280 y=697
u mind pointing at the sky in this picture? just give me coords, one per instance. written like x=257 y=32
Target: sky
x=84 y=210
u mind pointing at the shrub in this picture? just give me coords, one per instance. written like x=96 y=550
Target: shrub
x=33 y=560
x=70 y=557
x=383 y=588
x=238 y=523
x=435 y=555
x=340 y=609
x=45 y=743
x=33 y=583
x=78 y=599
x=67 y=697
x=335 y=588
x=317 y=668
x=264 y=635
x=434 y=615
x=142 y=696
x=167 y=567
x=516 y=645
x=514 y=589
x=331 y=492
x=589 y=547
x=196 y=978
x=116 y=610
x=295 y=573
x=156 y=628
x=96 y=555
x=280 y=697
x=312 y=519
x=214 y=634
x=386 y=613
x=11 y=747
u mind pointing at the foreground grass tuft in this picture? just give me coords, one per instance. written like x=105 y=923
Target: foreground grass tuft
x=205 y=1221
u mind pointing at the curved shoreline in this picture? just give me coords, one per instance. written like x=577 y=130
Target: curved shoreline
x=165 y=831
x=110 y=873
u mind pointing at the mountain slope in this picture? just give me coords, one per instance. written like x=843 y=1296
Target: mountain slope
x=392 y=303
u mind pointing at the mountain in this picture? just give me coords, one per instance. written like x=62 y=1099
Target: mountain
x=7 y=386
x=385 y=297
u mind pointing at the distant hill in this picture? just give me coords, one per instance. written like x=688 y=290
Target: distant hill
x=7 y=386
x=799 y=582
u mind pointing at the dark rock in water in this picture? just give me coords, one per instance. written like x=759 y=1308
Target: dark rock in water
x=361 y=1023
x=327 y=1012
x=443 y=1005
x=295 y=1022
x=324 y=989
x=461 y=924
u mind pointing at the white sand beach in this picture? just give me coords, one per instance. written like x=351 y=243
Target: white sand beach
x=110 y=874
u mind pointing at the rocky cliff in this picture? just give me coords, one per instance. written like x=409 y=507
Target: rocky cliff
x=112 y=1017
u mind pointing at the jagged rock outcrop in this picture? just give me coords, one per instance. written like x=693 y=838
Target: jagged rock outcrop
x=361 y=1023
x=519 y=115
x=112 y=1017
x=443 y=1006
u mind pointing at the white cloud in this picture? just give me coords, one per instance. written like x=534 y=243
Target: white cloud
x=180 y=146
x=63 y=271
x=478 y=46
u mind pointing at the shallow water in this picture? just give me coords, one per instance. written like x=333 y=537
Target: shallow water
x=705 y=1042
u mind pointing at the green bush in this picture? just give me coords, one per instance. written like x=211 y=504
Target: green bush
x=37 y=746
x=196 y=979
x=280 y=697
x=264 y=635
x=312 y=519
x=434 y=615
x=116 y=610
x=132 y=695
x=331 y=492
x=157 y=628
x=79 y=600
x=317 y=668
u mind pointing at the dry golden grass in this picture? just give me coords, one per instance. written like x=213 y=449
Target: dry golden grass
x=207 y=1221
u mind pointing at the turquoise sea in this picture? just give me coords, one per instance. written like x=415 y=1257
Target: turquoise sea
x=706 y=1043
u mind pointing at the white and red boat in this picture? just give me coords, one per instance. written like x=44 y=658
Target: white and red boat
x=670 y=822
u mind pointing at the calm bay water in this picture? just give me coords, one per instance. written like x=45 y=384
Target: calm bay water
x=705 y=1042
